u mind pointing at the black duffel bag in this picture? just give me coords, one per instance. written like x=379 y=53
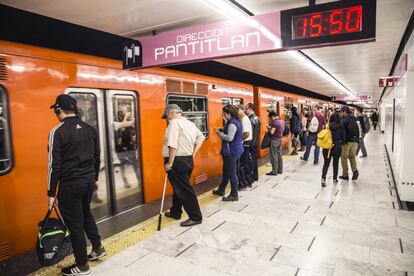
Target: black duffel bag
x=53 y=242
x=266 y=141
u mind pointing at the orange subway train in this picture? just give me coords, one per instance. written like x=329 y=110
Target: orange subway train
x=126 y=109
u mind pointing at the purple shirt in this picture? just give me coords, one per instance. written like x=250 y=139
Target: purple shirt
x=279 y=125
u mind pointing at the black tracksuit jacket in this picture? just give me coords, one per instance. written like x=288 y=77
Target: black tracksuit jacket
x=74 y=154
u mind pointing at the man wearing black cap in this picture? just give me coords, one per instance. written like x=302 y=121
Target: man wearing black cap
x=182 y=141
x=74 y=159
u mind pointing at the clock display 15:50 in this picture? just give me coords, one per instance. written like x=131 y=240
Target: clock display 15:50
x=327 y=23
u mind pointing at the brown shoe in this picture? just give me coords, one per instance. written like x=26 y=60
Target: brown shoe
x=189 y=222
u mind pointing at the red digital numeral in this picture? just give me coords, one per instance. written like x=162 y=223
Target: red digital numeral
x=336 y=24
x=316 y=27
x=353 y=19
x=305 y=26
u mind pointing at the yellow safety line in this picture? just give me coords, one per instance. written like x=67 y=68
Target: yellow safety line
x=131 y=236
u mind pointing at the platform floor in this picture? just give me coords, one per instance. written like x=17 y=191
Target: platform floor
x=288 y=225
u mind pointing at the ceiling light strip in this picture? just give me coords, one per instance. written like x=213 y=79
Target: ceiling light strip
x=233 y=9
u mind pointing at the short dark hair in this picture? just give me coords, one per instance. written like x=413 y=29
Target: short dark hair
x=251 y=106
x=272 y=114
x=231 y=109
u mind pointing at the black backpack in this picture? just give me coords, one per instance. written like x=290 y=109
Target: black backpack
x=53 y=242
x=352 y=129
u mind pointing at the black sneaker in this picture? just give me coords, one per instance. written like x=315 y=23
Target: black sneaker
x=270 y=173
x=97 y=253
x=323 y=183
x=169 y=215
x=303 y=159
x=335 y=180
x=218 y=193
x=344 y=177
x=231 y=198
x=76 y=270
x=355 y=175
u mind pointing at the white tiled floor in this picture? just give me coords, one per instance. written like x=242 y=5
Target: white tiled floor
x=288 y=225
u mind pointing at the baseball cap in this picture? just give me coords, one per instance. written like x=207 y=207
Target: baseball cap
x=65 y=102
x=170 y=108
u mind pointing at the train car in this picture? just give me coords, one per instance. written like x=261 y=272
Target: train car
x=125 y=107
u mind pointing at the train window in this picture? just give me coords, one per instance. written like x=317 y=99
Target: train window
x=5 y=140
x=87 y=107
x=194 y=109
x=237 y=101
x=232 y=101
x=274 y=106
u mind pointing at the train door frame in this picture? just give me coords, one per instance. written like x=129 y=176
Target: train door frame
x=103 y=102
x=8 y=131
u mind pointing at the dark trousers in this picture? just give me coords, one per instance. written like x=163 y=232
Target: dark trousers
x=230 y=174
x=253 y=164
x=245 y=173
x=184 y=195
x=303 y=139
x=74 y=204
x=336 y=152
x=375 y=125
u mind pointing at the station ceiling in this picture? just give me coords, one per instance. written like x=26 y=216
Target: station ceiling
x=357 y=66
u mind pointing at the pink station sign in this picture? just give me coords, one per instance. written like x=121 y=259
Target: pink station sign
x=333 y=23
x=257 y=34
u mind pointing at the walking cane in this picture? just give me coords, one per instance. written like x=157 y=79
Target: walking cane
x=162 y=204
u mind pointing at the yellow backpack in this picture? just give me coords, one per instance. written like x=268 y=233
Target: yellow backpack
x=325 y=138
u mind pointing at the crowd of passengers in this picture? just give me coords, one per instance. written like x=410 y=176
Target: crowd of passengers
x=74 y=160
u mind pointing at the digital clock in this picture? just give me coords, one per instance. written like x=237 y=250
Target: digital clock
x=327 y=23
x=332 y=23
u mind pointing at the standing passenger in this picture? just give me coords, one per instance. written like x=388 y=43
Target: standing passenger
x=276 y=128
x=351 y=143
x=338 y=137
x=182 y=141
x=250 y=111
x=295 y=129
x=231 y=150
x=74 y=161
x=316 y=124
x=374 y=118
x=303 y=134
x=363 y=131
x=245 y=172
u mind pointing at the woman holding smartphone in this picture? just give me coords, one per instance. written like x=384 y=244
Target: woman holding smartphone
x=231 y=150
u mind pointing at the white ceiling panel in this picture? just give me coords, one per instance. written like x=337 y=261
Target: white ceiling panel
x=357 y=66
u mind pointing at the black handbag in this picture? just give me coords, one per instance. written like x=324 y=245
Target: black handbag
x=53 y=241
x=266 y=141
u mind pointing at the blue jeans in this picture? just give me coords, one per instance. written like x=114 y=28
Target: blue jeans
x=311 y=140
x=303 y=138
x=230 y=173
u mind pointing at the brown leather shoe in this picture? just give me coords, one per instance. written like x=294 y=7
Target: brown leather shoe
x=189 y=222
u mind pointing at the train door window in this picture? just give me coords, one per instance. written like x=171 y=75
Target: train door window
x=91 y=110
x=194 y=109
x=124 y=146
x=5 y=139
